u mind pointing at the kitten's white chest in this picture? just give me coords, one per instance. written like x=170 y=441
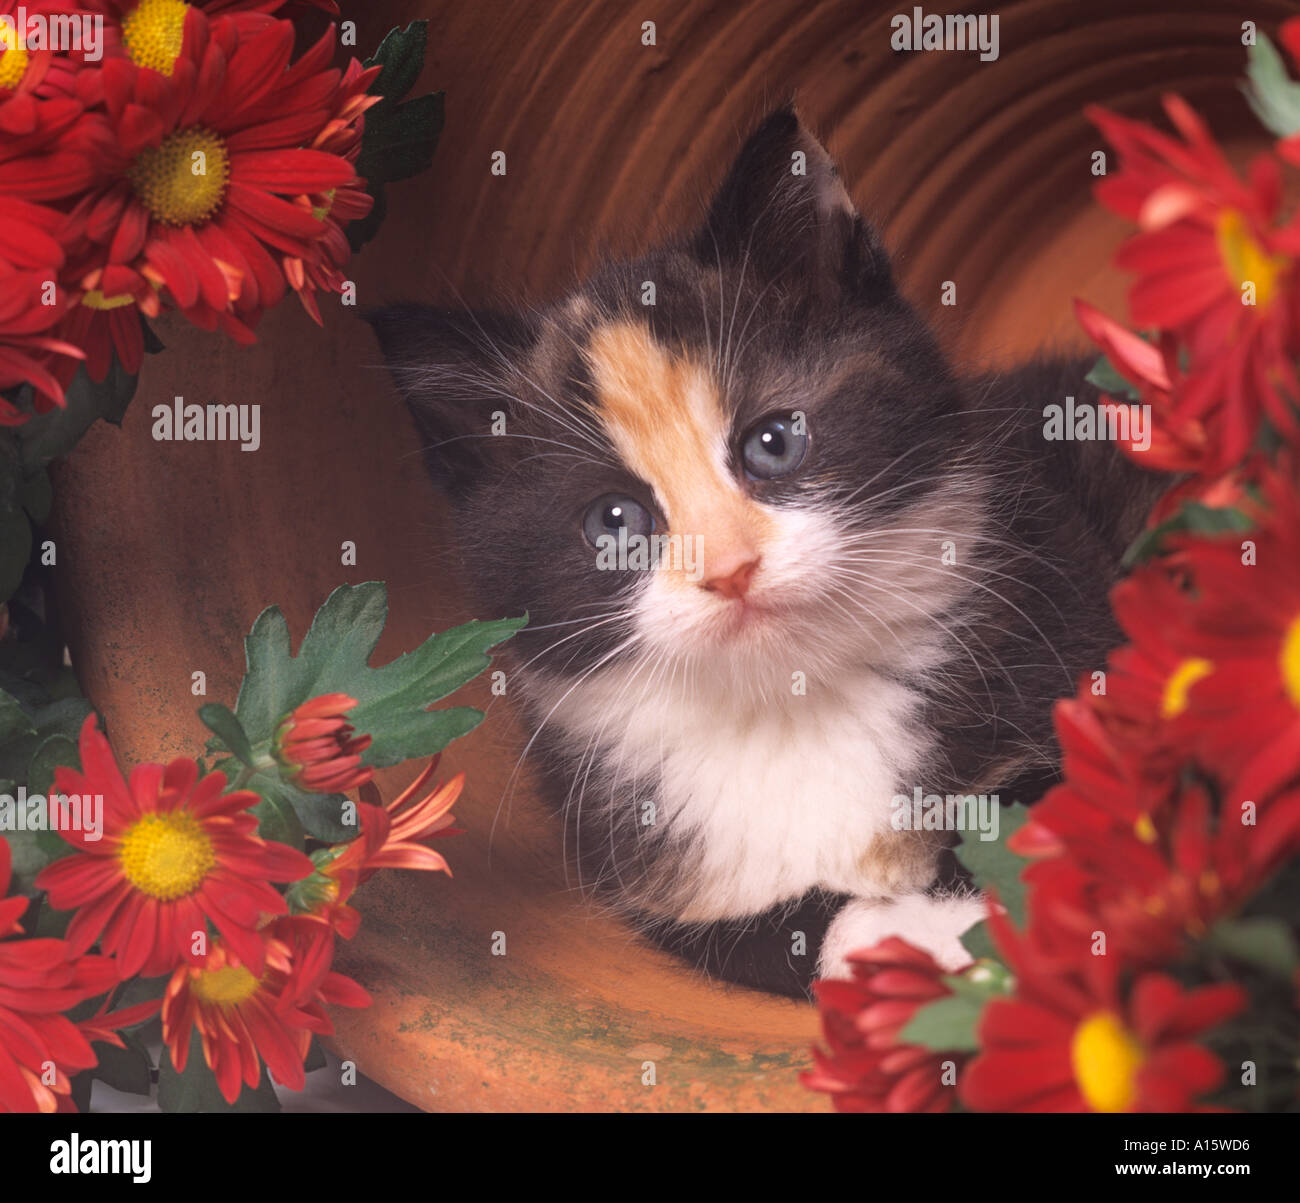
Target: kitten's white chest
x=761 y=802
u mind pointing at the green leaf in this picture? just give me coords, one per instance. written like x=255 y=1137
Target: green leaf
x=399 y=138
x=951 y=1023
x=946 y=1025
x=401 y=57
x=995 y=867
x=138 y=990
x=365 y=228
x=400 y=144
x=1266 y=942
x=1105 y=378
x=226 y=727
x=334 y=658
x=152 y=343
x=128 y=1069
x=55 y=433
x=50 y=923
x=319 y=815
x=15 y=549
x=276 y=819
x=36 y=496
x=58 y=751
x=14 y=720
x=315 y=1058
x=978 y=941
x=196 y=1089
x=1192 y=517
x=1270 y=90
x=31 y=749
x=29 y=858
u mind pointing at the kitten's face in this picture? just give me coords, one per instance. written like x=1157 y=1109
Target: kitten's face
x=751 y=477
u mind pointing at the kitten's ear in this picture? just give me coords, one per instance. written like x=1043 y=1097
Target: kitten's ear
x=450 y=366
x=783 y=210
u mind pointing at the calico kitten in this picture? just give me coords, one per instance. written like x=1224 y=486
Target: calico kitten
x=884 y=577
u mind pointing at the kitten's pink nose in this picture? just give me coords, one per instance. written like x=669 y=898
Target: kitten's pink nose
x=734 y=584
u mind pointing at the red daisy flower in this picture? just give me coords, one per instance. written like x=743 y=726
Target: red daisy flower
x=341 y=206
x=391 y=835
x=210 y=171
x=29 y=351
x=1236 y=644
x=150 y=32
x=868 y=1067
x=319 y=748
x=1149 y=681
x=1107 y=787
x=174 y=853
x=49 y=143
x=1176 y=444
x=1073 y=1039
x=245 y=1018
x=39 y=979
x=1160 y=879
x=1205 y=236
x=390 y=839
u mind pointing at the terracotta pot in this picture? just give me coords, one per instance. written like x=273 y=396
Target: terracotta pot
x=979 y=173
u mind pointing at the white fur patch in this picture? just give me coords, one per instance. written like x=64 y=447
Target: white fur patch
x=764 y=802
x=934 y=924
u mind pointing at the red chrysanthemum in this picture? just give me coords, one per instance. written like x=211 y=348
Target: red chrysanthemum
x=390 y=839
x=244 y=1018
x=1176 y=444
x=39 y=979
x=30 y=352
x=867 y=1067
x=150 y=32
x=50 y=144
x=1213 y=267
x=1107 y=786
x=211 y=174
x=343 y=205
x=319 y=748
x=1223 y=652
x=1076 y=1038
x=175 y=853
x=1159 y=879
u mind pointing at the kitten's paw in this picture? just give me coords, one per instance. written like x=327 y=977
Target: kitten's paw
x=935 y=924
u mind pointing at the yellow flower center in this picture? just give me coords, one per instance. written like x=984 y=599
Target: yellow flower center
x=321 y=212
x=227 y=986
x=1180 y=682
x=166 y=855
x=153 y=32
x=1145 y=829
x=13 y=55
x=95 y=299
x=1106 y=1059
x=183 y=181
x=1290 y=662
x=1245 y=260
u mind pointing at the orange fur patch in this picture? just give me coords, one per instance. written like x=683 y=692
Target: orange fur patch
x=668 y=425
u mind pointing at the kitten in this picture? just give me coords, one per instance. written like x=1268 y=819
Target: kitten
x=876 y=576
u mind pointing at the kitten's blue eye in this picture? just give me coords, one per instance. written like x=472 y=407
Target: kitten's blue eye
x=773 y=448
x=613 y=512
